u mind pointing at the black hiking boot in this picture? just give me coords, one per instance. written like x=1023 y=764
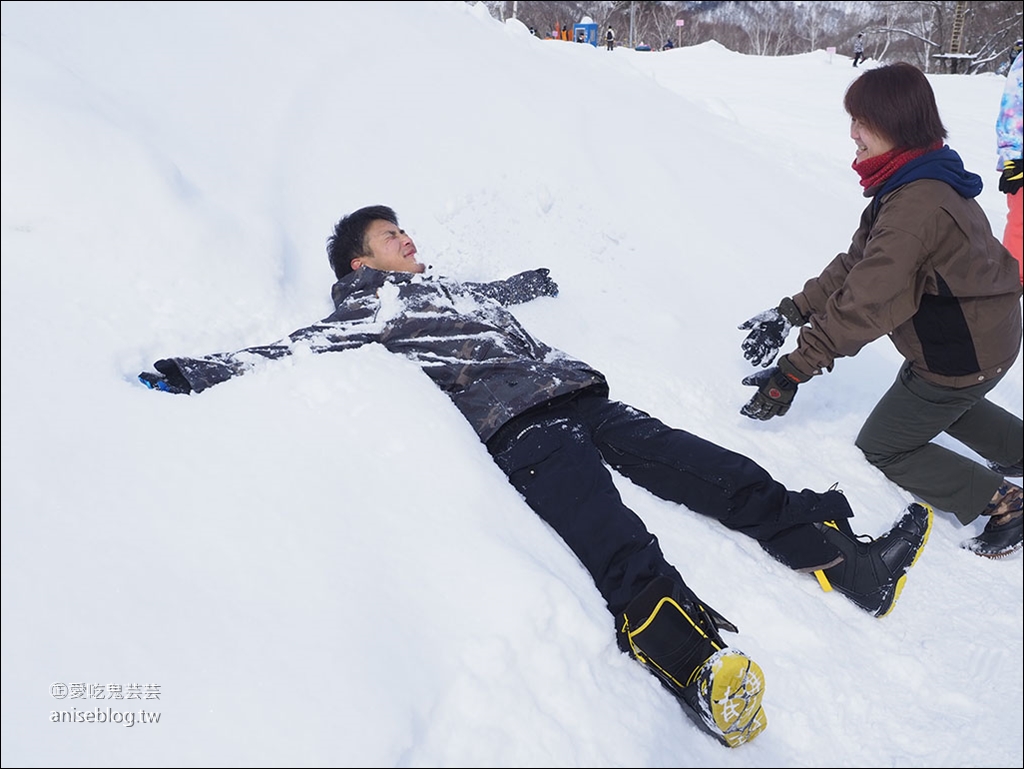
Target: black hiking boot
x=1004 y=532
x=873 y=571
x=668 y=630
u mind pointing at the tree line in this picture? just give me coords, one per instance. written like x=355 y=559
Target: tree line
x=935 y=35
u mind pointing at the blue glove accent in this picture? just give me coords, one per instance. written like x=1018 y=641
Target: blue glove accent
x=158 y=382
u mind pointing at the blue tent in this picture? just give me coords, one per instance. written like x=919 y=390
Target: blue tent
x=585 y=33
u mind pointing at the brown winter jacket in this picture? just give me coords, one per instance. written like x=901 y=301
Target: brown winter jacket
x=929 y=273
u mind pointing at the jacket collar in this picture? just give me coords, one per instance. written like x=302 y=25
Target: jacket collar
x=943 y=164
x=365 y=279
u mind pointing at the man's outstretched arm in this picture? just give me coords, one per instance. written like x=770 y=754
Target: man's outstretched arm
x=193 y=375
x=519 y=288
x=188 y=375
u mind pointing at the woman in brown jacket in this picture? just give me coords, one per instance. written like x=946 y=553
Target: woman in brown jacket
x=925 y=269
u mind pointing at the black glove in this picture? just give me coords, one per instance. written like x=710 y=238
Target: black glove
x=172 y=381
x=769 y=330
x=531 y=284
x=1013 y=174
x=776 y=388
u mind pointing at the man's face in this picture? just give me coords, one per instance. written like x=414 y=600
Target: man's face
x=391 y=250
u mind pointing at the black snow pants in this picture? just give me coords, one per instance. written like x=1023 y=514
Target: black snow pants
x=557 y=456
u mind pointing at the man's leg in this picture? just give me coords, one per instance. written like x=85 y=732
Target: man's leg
x=660 y=622
x=805 y=530
x=668 y=630
x=684 y=468
x=559 y=472
x=896 y=438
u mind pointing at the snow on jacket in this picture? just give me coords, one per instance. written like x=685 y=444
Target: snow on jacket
x=925 y=269
x=1009 y=124
x=460 y=334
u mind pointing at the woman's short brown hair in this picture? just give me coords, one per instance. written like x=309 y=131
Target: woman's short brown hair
x=897 y=103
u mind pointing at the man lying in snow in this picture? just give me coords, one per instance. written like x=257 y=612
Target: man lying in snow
x=547 y=421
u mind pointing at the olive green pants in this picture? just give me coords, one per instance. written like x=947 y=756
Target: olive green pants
x=897 y=439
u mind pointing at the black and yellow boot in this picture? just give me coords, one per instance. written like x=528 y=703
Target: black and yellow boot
x=873 y=571
x=672 y=633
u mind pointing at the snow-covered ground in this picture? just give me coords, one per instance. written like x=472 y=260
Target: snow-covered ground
x=318 y=564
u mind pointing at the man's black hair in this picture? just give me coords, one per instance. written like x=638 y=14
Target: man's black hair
x=349 y=239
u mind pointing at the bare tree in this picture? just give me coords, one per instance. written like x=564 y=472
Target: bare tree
x=917 y=31
x=808 y=28
x=769 y=28
x=992 y=29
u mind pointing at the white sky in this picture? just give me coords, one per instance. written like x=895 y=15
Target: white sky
x=318 y=563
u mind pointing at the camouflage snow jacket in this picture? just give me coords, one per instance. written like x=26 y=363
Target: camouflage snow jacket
x=460 y=334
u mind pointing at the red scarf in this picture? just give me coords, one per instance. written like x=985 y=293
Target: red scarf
x=876 y=170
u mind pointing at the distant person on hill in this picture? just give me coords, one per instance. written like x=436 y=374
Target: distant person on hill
x=548 y=422
x=858 y=48
x=668 y=44
x=609 y=38
x=924 y=270
x=1009 y=163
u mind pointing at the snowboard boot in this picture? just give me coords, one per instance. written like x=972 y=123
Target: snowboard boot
x=873 y=571
x=675 y=636
x=1004 y=532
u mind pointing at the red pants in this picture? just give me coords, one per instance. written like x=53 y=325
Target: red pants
x=1012 y=235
